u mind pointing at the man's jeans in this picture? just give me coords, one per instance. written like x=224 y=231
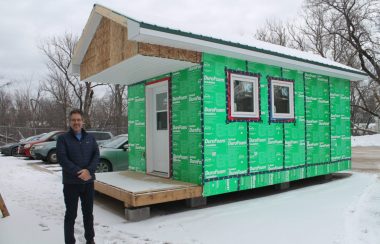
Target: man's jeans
x=72 y=193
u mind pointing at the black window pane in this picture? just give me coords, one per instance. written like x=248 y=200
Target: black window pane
x=281 y=99
x=162 y=121
x=243 y=96
x=97 y=136
x=105 y=136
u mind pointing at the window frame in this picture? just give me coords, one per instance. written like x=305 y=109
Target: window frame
x=281 y=117
x=243 y=76
x=165 y=109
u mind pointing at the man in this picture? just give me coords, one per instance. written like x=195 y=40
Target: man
x=78 y=154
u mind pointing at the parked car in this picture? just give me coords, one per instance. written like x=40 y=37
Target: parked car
x=11 y=149
x=114 y=154
x=47 y=151
x=101 y=136
x=24 y=148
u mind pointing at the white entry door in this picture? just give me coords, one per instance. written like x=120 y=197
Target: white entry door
x=157 y=122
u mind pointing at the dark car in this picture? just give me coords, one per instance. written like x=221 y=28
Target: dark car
x=11 y=149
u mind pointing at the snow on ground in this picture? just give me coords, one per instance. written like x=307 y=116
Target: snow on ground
x=365 y=141
x=345 y=210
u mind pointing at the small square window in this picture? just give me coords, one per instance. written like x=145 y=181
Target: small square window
x=243 y=92
x=161 y=111
x=161 y=101
x=282 y=99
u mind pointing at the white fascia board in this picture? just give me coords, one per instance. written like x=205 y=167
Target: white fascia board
x=138 y=68
x=178 y=41
x=133 y=29
x=74 y=69
x=84 y=42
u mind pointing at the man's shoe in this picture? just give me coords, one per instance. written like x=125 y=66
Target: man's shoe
x=90 y=242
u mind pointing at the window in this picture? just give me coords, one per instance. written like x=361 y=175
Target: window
x=98 y=135
x=161 y=111
x=243 y=97
x=281 y=99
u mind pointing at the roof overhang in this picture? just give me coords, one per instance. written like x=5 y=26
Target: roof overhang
x=149 y=35
x=138 y=68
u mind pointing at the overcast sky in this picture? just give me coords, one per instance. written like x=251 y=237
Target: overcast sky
x=25 y=23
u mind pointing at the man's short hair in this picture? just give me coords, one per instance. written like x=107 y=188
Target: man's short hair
x=76 y=111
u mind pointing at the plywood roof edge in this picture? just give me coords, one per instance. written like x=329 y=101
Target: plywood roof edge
x=97 y=13
x=112 y=15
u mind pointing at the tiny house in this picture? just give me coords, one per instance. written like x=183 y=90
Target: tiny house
x=225 y=115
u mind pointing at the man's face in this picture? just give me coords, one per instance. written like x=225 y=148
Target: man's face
x=76 y=122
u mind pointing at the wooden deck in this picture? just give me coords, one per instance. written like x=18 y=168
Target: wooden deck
x=138 y=189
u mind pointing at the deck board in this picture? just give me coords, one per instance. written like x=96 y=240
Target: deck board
x=138 y=189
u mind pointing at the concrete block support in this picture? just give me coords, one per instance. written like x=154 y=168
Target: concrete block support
x=196 y=202
x=327 y=177
x=283 y=186
x=137 y=214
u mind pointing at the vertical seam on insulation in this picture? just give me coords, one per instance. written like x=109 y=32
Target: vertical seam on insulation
x=248 y=150
x=328 y=79
x=202 y=123
x=170 y=124
x=283 y=126
x=304 y=98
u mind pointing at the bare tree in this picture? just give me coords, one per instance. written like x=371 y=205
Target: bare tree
x=67 y=90
x=355 y=21
x=6 y=108
x=35 y=108
x=60 y=91
x=110 y=111
x=345 y=31
x=119 y=105
x=274 y=31
x=367 y=97
x=297 y=40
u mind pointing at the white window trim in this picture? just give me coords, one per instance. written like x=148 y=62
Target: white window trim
x=256 y=112
x=291 y=100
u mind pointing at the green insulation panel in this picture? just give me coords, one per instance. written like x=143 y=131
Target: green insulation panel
x=295 y=132
x=245 y=155
x=265 y=138
x=340 y=119
x=186 y=125
x=225 y=144
x=136 y=127
x=317 y=108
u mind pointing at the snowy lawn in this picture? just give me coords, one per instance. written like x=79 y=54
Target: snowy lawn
x=345 y=210
x=366 y=141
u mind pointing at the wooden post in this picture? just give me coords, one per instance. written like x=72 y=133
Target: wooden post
x=3 y=208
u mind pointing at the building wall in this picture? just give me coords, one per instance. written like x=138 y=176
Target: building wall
x=340 y=119
x=136 y=127
x=186 y=137
x=186 y=125
x=234 y=156
x=245 y=155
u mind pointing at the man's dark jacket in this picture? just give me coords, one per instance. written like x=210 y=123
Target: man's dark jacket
x=75 y=155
